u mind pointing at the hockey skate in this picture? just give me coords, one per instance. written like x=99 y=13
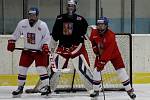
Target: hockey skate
x=131 y=95
x=94 y=95
x=45 y=91
x=18 y=92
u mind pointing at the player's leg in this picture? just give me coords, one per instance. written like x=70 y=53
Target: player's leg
x=91 y=77
x=96 y=74
x=54 y=77
x=85 y=74
x=97 y=83
x=41 y=63
x=96 y=77
x=123 y=76
x=35 y=89
x=25 y=62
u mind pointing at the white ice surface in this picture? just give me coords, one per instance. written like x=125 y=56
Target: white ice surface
x=142 y=91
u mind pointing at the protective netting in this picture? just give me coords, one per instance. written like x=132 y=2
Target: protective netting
x=71 y=81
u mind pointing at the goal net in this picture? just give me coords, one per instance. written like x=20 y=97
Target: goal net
x=71 y=81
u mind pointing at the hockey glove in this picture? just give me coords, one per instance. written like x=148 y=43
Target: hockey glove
x=45 y=49
x=11 y=45
x=99 y=64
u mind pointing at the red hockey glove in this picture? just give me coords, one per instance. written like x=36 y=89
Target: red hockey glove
x=11 y=45
x=99 y=64
x=95 y=49
x=100 y=68
x=45 y=48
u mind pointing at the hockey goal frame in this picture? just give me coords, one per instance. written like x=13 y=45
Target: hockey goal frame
x=75 y=89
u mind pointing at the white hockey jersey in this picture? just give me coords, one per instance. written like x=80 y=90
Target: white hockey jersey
x=34 y=37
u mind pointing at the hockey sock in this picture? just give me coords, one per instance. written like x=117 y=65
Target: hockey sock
x=22 y=73
x=124 y=78
x=96 y=80
x=43 y=76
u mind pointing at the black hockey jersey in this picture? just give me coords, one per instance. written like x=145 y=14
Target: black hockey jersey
x=69 y=30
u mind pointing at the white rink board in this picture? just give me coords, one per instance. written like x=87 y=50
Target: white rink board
x=140 y=50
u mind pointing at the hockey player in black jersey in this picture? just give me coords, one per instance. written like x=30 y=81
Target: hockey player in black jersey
x=70 y=29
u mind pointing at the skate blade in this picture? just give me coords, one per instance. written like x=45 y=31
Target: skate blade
x=17 y=96
x=94 y=98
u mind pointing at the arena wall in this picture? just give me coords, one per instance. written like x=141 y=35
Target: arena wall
x=140 y=54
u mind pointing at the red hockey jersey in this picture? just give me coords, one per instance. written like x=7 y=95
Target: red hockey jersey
x=107 y=48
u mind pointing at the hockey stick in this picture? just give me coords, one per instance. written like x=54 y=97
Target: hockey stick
x=52 y=66
x=100 y=50
x=102 y=85
x=54 y=69
x=27 y=49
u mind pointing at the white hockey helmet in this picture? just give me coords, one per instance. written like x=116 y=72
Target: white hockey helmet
x=71 y=6
x=73 y=2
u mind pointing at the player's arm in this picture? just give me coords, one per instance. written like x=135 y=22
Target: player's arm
x=46 y=39
x=84 y=26
x=46 y=34
x=53 y=44
x=54 y=36
x=56 y=29
x=17 y=33
x=106 y=52
x=90 y=34
x=15 y=36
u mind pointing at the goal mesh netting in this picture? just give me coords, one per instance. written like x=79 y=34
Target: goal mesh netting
x=71 y=81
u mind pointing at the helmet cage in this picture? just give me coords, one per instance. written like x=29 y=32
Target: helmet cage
x=103 y=20
x=73 y=2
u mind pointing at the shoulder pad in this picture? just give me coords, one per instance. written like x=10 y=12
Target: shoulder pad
x=59 y=17
x=92 y=26
x=79 y=18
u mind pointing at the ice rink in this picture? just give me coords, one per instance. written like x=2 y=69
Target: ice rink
x=142 y=91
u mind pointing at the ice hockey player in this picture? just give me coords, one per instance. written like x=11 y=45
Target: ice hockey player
x=69 y=29
x=37 y=37
x=105 y=48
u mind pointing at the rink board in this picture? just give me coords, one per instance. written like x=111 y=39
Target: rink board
x=11 y=80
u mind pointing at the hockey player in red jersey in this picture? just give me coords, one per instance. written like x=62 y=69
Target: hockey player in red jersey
x=37 y=37
x=105 y=48
x=69 y=29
